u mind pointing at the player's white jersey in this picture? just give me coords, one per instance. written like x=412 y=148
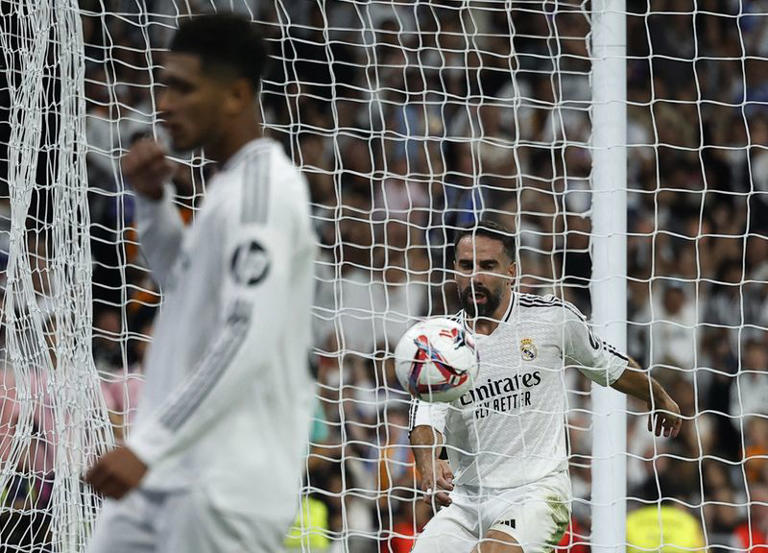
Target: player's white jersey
x=228 y=395
x=509 y=430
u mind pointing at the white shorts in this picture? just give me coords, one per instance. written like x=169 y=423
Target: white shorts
x=185 y=521
x=535 y=515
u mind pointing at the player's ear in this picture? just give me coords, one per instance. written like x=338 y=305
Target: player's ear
x=239 y=96
x=512 y=270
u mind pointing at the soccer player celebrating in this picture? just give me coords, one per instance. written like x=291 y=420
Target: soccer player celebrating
x=214 y=462
x=505 y=438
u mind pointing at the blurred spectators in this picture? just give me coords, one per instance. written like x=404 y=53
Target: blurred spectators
x=752 y=534
x=673 y=331
x=409 y=120
x=749 y=409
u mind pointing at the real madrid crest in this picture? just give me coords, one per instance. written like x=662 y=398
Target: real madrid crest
x=528 y=349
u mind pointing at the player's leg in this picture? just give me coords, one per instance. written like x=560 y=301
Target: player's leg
x=126 y=526
x=533 y=521
x=496 y=541
x=449 y=531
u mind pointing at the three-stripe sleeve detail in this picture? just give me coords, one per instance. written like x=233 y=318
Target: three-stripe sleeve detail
x=210 y=370
x=531 y=301
x=255 y=203
x=614 y=351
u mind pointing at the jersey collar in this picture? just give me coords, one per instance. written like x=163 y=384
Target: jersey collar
x=246 y=150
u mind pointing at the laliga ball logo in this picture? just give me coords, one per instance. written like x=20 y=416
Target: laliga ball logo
x=436 y=360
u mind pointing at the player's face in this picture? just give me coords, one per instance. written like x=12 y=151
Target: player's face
x=484 y=275
x=189 y=102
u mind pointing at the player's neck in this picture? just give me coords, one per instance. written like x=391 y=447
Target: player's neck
x=233 y=141
x=487 y=324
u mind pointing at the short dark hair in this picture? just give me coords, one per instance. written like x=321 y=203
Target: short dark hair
x=226 y=42
x=492 y=230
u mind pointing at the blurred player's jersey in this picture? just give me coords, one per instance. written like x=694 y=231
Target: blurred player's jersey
x=228 y=396
x=509 y=429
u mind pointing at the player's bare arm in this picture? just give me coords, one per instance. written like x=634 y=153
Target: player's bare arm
x=664 y=415
x=436 y=474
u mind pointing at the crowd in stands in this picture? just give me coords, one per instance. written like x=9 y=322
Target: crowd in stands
x=410 y=120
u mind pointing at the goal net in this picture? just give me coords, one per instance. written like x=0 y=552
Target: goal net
x=409 y=120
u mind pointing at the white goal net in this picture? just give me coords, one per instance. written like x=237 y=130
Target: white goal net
x=409 y=119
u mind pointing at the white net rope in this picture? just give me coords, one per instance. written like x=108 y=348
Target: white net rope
x=53 y=417
x=409 y=119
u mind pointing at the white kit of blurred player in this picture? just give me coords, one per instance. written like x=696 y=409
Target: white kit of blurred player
x=214 y=463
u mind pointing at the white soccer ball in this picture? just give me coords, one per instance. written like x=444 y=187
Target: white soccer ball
x=436 y=360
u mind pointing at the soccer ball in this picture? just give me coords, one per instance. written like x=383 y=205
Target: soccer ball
x=436 y=360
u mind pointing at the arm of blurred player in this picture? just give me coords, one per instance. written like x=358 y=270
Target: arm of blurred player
x=254 y=320
x=258 y=262
x=147 y=169
x=159 y=223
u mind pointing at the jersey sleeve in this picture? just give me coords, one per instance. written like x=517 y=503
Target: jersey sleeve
x=161 y=231
x=259 y=259
x=596 y=359
x=424 y=413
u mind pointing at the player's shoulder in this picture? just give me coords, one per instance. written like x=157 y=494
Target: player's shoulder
x=269 y=156
x=265 y=185
x=287 y=181
x=263 y=159
x=548 y=306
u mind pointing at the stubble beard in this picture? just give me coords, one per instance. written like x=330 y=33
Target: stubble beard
x=492 y=301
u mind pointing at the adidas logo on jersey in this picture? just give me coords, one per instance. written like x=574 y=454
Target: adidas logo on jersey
x=510 y=523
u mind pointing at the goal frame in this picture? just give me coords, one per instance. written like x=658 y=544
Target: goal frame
x=608 y=285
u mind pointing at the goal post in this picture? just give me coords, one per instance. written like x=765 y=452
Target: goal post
x=608 y=286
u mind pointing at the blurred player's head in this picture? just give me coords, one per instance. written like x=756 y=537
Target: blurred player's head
x=212 y=75
x=485 y=267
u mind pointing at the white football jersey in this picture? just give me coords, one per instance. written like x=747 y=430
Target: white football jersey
x=509 y=429
x=228 y=395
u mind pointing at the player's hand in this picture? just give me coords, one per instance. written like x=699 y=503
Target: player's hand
x=665 y=419
x=146 y=168
x=116 y=473
x=437 y=482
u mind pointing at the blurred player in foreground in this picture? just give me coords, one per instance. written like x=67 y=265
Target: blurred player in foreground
x=506 y=437
x=215 y=458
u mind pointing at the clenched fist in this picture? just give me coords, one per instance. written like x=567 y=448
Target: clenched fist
x=116 y=473
x=146 y=168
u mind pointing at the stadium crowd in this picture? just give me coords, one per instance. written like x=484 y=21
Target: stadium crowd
x=411 y=120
